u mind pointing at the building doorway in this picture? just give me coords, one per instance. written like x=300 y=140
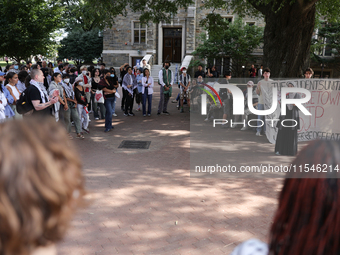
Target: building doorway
x=172 y=45
x=136 y=61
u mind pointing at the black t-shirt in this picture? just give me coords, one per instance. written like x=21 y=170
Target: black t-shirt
x=200 y=73
x=34 y=94
x=94 y=85
x=103 y=84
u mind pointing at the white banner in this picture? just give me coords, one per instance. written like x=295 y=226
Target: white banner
x=324 y=122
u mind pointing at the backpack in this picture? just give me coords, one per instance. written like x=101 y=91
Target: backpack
x=24 y=105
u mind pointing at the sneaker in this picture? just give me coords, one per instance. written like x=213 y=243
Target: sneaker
x=87 y=131
x=244 y=128
x=181 y=110
x=131 y=114
x=107 y=130
x=96 y=118
x=138 y=109
x=174 y=101
x=125 y=114
x=158 y=113
x=207 y=119
x=258 y=133
x=144 y=115
x=232 y=126
x=80 y=136
x=149 y=115
x=277 y=153
x=166 y=113
x=114 y=115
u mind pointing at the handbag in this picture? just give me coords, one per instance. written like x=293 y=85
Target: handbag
x=99 y=96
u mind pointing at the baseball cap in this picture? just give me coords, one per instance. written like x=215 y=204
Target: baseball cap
x=2 y=73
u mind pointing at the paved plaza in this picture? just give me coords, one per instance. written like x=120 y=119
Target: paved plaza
x=144 y=201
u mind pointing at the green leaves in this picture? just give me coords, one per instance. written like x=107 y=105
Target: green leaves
x=234 y=40
x=81 y=45
x=27 y=27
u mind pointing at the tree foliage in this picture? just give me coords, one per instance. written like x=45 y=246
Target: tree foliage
x=81 y=46
x=27 y=27
x=234 y=40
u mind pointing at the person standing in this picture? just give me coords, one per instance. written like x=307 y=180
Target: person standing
x=166 y=80
x=60 y=107
x=71 y=112
x=8 y=110
x=147 y=91
x=287 y=139
x=107 y=85
x=145 y=65
x=138 y=90
x=123 y=71
x=94 y=88
x=184 y=81
x=260 y=106
x=82 y=103
x=86 y=77
x=129 y=84
x=10 y=83
x=252 y=72
x=308 y=73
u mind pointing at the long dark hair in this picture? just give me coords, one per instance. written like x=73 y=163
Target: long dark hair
x=9 y=75
x=308 y=217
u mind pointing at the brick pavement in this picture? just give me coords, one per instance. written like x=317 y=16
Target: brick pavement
x=144 y=201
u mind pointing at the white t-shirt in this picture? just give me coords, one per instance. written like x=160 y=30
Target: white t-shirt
x=261 y=99
x=14 y=91
x=187 y=79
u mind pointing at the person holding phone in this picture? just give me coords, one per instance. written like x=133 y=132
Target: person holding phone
x=37 y=94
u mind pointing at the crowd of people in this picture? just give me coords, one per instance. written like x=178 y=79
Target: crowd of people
x=71 y=94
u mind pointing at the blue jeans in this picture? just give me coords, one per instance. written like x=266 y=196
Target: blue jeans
x=149 y=97
x=261 y=117
x=109 y=104
x=114 y=106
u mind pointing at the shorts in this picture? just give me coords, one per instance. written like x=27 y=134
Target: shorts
x=184 y=94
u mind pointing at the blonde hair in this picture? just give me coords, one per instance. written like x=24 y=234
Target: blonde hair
x=41 y=184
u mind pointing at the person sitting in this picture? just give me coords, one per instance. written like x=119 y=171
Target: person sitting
x=41 y=189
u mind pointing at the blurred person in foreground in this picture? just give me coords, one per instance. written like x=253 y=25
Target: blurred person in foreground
x=307 y=220
x=40 y=190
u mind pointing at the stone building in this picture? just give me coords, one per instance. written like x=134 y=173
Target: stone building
x=129 y=41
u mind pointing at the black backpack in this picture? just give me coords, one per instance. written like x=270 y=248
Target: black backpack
x=24 y=105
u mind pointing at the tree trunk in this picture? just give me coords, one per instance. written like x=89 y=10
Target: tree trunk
x=287 y=38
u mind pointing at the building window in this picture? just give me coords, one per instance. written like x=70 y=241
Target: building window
x=326 y=50
x=229 y=19
x=250 y=23
x=139 y=33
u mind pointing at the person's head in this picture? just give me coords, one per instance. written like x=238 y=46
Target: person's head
x=59 y=61
x=16 y=66
x=57 y=77
x=250 y=84
x=78 y=81
x=166 y=64
x=112 y=70
x=146 y=72
x=144 y=62
x=200 y=67
x=44 y=64
x=102 y=66
x=66 y=78
x=291 y=85
x=83 y=70
x=2 y=77
x=22 y=76
x=213 y=69
x=227 y=75
x=50 y=65
x=37 y=75
x=66 y=65
x=23 y=68
x=266 y=73
x=29 y=64
x=307 y=220
x=8 y=67
x=106 y=74
x=61 y=67
x=252 y=66
x=184 y=70
x=35 y=66
x=309 y=73
x=200 y=79
x=95 y=72
x=11 y=78
x=41 y=189
x=129 y=69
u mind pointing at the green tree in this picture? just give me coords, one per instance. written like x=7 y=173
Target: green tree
x=27 y=27
x=234 y=40
x=81 y=46
x=288 y=31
